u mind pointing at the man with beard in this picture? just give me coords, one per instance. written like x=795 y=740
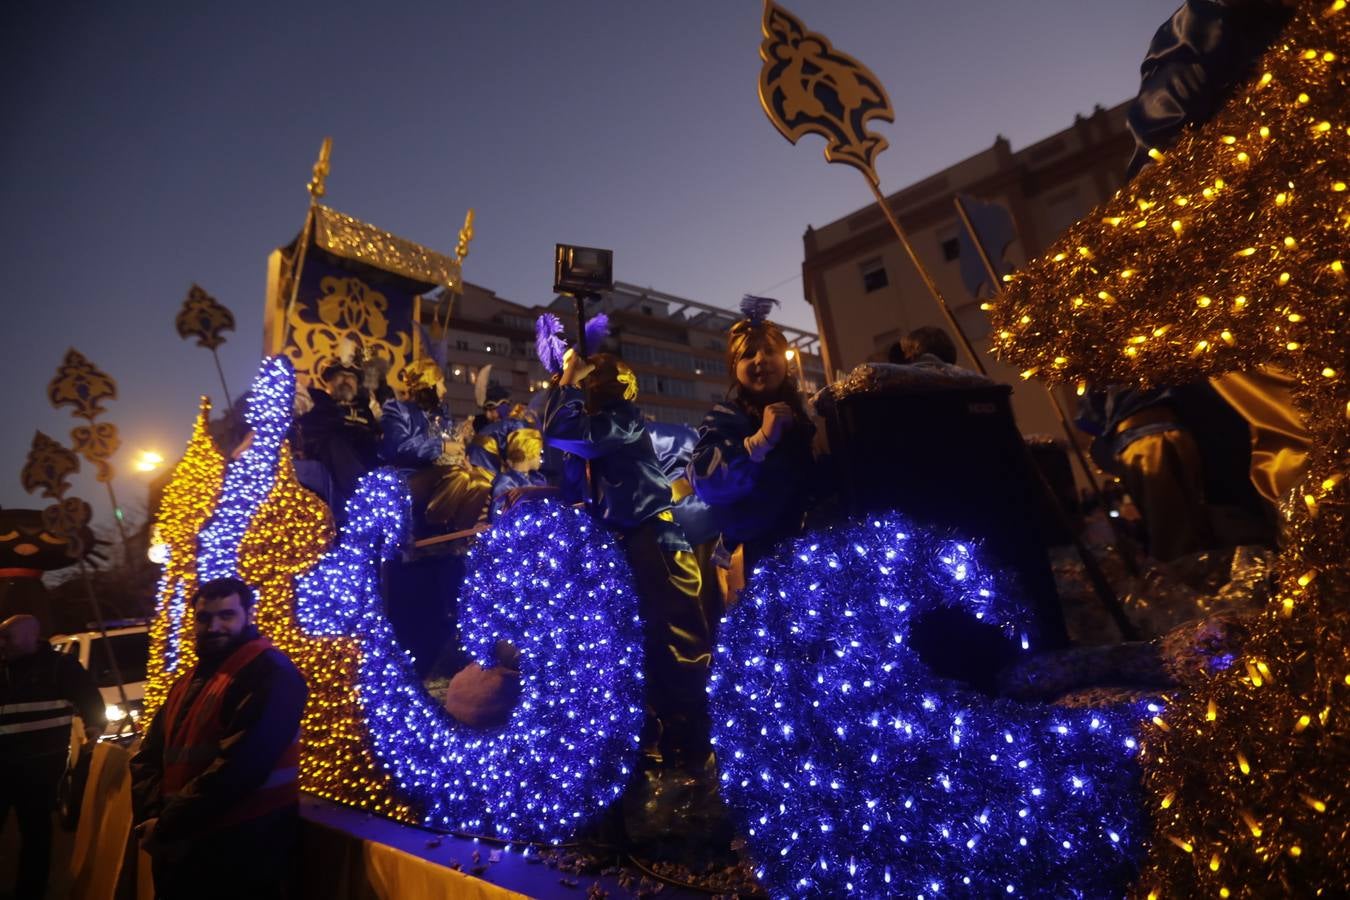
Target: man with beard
x=340 y=429
x=215 y=783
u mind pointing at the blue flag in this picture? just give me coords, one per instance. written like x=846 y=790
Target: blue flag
x=995 y=230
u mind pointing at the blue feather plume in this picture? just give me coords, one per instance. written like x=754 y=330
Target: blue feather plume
x=757 y=309
x=597 y=329
x=548 y=343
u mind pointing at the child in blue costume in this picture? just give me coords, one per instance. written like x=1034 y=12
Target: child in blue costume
x=611 y=465
x=754 y=463
x=522 y=456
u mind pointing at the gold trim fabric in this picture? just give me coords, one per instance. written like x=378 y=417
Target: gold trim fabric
x=350 y=238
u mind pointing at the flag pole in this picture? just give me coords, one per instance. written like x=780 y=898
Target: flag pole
x=996 y=282
x=926 y=277
x=1126 y=557
x=317 y=187
x=229 y=404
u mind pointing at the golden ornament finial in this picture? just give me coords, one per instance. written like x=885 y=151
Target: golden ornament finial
x=317 y=183
x=465 y=235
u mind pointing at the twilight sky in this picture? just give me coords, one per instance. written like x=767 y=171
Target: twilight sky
x=146 y=145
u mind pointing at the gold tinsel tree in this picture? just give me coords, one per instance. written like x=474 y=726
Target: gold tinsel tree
x=1228 y=254
x=187 y=504
x=286 y=538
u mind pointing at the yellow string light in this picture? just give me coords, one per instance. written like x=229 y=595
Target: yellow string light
x=187 y=503
x=285 y=538
x=1268 y=255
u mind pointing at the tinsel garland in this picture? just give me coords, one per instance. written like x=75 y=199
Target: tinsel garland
x=566 y=751
x=1228 y=255
x=188 y=501
x=853 y=769
x=252 y=519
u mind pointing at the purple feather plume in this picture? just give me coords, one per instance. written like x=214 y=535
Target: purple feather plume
x=548 y=343
x=597 y=329
x=757 y=309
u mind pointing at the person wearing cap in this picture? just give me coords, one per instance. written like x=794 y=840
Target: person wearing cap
x=523 y=454
x=417 y=441
x=493 y=407
x=340 y=429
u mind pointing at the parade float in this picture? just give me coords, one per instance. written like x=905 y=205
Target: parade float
x=847 y=762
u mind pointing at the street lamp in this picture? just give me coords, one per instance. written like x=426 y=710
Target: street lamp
x=147 y=461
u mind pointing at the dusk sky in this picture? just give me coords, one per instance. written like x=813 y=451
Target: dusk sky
x=146 y=146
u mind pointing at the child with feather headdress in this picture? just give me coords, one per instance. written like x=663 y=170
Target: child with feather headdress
x=753 y=463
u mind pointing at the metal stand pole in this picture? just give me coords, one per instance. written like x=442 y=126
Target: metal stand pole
x=1123 y=541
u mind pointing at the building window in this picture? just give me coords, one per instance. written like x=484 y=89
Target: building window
x=462 y=345
x=873 y=275
x=951 y=249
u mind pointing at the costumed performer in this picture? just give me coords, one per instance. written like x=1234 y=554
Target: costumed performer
x=524 y=454
x=754 y=463
x=1196 y=59
x=416 y=440
x=339 y=429
x=609 y=462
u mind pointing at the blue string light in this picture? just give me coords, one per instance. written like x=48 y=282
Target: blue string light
x=853 y=769
x=566 y=751
x=176 y=610
x=249 y=479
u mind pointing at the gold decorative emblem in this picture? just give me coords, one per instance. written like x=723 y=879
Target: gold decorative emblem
x=808 y=87
x=97 y=443
x=69 y=518
x=48 y=467
x=348 y=311
x=204 y=318
x=81 y=385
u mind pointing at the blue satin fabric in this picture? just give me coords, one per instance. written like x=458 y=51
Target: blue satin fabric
x=674 y=445
x=509 y=479
x=1101 y=411
x=627 y=487
x=485 y=450
x=1207 y=48
x=752 y=500
x=410 y=441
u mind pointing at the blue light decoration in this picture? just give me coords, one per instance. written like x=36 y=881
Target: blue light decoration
x=554 y=584
x=853 y=769
x=249 y=478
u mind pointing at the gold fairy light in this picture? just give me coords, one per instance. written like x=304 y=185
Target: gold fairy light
x=286 y=537
x=188 y=501
x=1263 y=239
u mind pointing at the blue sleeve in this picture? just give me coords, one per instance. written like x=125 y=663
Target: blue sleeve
x=402 y=445
x=571 y=429
x=721 y=470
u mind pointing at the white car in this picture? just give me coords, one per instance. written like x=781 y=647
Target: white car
x=129 y=643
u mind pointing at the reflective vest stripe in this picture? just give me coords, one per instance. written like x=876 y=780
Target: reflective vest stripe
x=32 y=706
x=39 y=725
